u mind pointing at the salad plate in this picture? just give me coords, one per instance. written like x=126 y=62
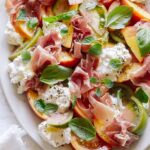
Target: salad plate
x=30 y=118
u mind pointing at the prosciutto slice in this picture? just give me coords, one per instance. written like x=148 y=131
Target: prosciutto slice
x=141 y=77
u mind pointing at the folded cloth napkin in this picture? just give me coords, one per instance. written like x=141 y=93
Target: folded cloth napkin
x=12 y=139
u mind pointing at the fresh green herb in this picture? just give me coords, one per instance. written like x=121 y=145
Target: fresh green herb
x=98 y=92
x=64 y=31
x=119 y=17
x=55 y=73
x=143 y=40
x=88 y=40
x=63 y=16
x=41 y=106
x=83 y=128
x=95 y=49
x=107 y=82
x=74 y=100
x=32 y=23
x=115 y=63
x=22 y=14
x=93 y=80
x=26 y=56
x=141 y=95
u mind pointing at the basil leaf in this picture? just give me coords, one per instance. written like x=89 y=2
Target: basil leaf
x=39 y=105
x=22 y=14
x=143 y=40
x=32 y=23
x=88 y=40
x=26 y=56
x=115 y=63
x=93 y=80
x=55 y=73
x=107 y=82
x=50 y=108
x=98 y=92
x=74 y=100
x=83 y=128
x=141 y=95
x=64 y=31
x=63 y=16
x=119 y=17
x=95 y=49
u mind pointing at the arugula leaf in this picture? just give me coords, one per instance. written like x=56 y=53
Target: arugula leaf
x=95 y=49
x=93 y=80
x=32 y=23
x=141 y=95
x=74 y=100
x=46 y=108
x=64 y=31
x=115 y=63
x=55 y=73
x=98 y=92
x=26 y=56
x=63 y=16
x=107 y=82
x=88 y=40
x=143 y=40
x=22 y=14
x=119 y=17
x=83 y=128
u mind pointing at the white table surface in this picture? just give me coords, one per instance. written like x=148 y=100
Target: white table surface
x=7 y=119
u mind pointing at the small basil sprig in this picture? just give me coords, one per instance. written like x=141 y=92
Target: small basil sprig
x=88 y=40
x=141 y=95
x=32 y=23
x=74 y=101
x=143 y=40
x=26 y=56
x=22 y=14
x=63 y=16
x=107 y=82
x=98 y=92
x=95 y=49
x=115 y=63
x=55 y=73
x=64 y=31
x=119 y=17
x=83 y=128
x=46 y=108
x=93 y=80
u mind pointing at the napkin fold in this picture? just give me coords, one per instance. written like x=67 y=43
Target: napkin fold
x=12 y=139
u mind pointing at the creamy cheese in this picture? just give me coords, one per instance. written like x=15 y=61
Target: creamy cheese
x=13 y=37
x=56 y=26
x=116 y=52
x=54 y=136
x=58 y=95
x=19 y=73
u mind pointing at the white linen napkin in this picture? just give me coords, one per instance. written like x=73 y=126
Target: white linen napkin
x=12 y=139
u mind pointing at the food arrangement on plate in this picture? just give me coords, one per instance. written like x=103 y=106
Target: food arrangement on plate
x=84 y=67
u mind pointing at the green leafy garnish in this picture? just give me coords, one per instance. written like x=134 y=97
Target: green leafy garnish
x=32 y=23
x=95 y=49
x=119 y=17
x=26 y=56
x=88 y=40
x=64 y=31
x=74 y=100
x=46 y=108
x=55 y=73
x=22 y=14
x=83 y=128
x=63 y=16
x=141 y=95
x=143 y=40
x=98 y=92
x=115 y=63
x=93 y=80
x=107 y=82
